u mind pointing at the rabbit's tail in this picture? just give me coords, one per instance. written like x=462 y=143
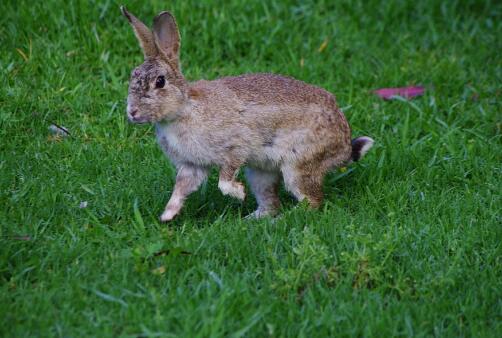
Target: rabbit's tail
x=360 y=147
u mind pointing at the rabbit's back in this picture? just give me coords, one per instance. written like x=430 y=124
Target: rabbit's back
x=297 y=120
x=276 y=89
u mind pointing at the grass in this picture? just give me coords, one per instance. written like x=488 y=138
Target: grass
x=408 y=240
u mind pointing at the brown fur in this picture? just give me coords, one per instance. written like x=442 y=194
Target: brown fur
x=269 y=123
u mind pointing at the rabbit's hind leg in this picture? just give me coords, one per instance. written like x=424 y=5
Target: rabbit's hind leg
x=305 y=182
x=227 y=183
x=264 y=185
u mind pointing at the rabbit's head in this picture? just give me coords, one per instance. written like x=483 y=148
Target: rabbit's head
x=157 y=88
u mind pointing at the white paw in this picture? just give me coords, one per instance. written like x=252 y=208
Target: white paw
x=167 y=215
x=260 y=213
x=233 y=189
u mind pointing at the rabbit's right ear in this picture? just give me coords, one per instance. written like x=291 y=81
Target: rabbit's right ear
x=167 y=37
x=144 y=35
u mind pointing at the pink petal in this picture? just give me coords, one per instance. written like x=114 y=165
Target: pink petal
x=406 y=92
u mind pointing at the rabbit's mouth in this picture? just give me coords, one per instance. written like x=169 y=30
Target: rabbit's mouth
x=137 y=119
x=133 y=114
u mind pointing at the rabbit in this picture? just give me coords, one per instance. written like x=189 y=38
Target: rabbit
x=270 y=124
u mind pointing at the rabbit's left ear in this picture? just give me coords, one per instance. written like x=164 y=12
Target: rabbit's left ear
x=167 y=36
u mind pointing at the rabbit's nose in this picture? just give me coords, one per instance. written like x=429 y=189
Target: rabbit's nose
x=131 y=110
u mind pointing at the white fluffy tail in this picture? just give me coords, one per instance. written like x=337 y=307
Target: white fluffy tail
x=360 y=147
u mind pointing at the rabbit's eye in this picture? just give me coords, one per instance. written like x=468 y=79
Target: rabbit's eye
x=160 y=82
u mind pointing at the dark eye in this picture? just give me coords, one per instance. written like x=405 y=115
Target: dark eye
x=160 y=82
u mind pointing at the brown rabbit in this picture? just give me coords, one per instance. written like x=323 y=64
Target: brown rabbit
x=269 y=123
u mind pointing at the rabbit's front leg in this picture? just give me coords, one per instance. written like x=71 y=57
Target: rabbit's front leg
x=188 y=180
x=227 y=183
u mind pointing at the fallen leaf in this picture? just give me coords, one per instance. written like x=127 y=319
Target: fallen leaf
x=159 y=271
x=22 y=237
x=59 y=130
x=406 y=92
x=323 y=46
x=23 y=55
x=71 y=53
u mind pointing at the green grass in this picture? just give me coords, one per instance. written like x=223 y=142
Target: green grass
x=406 y=244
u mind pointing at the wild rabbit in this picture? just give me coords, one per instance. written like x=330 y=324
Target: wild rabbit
x=269 y=123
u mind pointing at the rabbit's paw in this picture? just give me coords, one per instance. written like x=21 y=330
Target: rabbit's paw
x=232 y=188
x=168 y=215
x=261 y=213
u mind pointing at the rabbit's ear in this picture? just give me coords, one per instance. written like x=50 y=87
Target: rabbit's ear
x=167 y=36
x=143 y=34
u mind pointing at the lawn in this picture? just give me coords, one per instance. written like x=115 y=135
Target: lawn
x=407 y=242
